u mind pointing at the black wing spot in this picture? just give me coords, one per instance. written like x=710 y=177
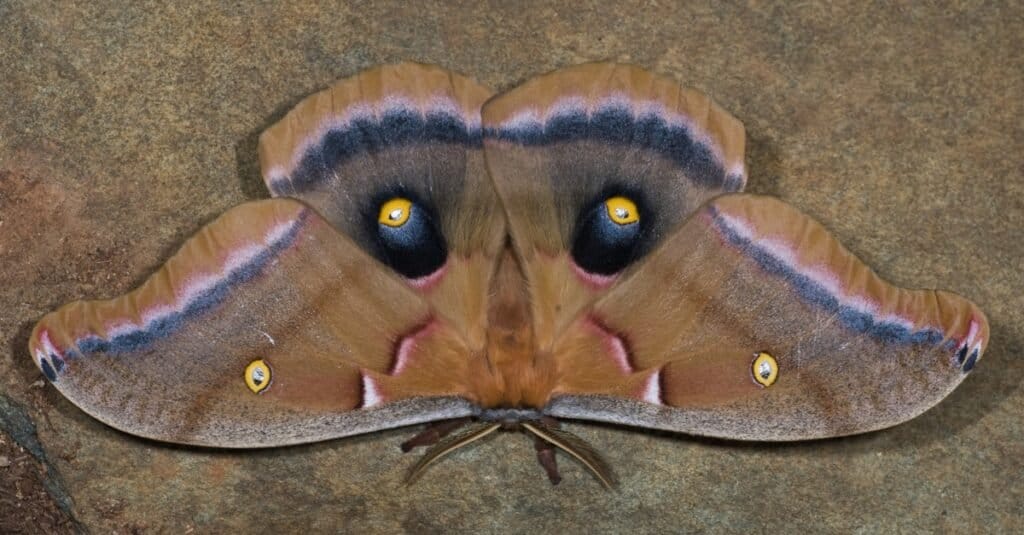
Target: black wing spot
x=415 y=248
x=604 y=246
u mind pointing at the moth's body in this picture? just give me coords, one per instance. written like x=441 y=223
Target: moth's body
x=574 y=248
x=511 y=372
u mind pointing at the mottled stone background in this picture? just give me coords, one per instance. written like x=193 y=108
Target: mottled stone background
x=124 y=128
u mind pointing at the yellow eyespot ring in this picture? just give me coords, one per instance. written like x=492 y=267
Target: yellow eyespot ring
x=764 y=369
x=257 y=376
x=622 y=210
x=395 y=212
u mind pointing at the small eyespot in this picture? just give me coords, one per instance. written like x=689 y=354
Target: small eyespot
x=257 y=376
x=765 y=370
x=395 y=213
x=622 y=210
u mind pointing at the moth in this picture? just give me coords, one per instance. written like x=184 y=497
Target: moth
x=577 y=247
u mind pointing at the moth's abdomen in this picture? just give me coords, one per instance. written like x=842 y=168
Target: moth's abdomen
x=511 y=371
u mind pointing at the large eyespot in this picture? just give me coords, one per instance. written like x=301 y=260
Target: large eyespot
x=257 y=376
x=765 y=369
x=607 y=236
x=409 y=240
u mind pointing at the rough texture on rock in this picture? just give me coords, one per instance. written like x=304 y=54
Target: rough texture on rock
x=124 y=127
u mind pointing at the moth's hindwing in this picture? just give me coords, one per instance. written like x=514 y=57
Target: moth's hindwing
x=752 y=322
x=268 y=327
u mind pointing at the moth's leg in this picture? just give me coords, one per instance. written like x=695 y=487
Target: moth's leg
x=549 y=430
x=546 y=451
x=435 y=431
x=546 y=458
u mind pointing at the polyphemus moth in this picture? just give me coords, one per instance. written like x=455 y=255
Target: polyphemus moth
x=576 y=247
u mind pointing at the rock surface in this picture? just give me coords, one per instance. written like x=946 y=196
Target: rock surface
x=124 y=127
